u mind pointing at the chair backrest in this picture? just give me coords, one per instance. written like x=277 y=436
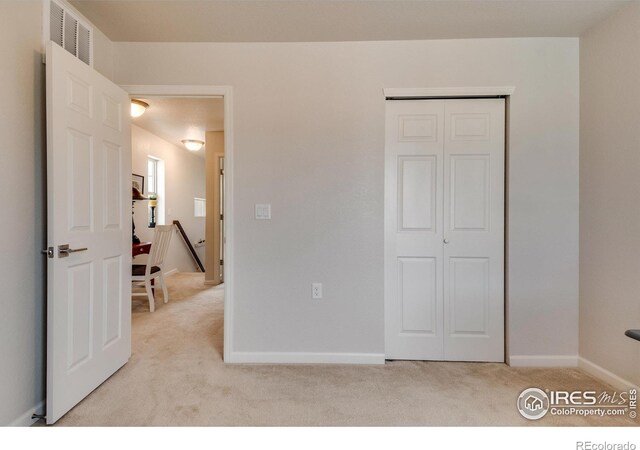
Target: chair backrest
x=159 y=246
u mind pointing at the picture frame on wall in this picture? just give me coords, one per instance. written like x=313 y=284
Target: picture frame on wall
x=137 y=181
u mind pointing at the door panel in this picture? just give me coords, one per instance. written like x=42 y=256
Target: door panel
x=418 y=294
x=469 y=296
x=444 y=229
x=80 y=336
x=474 y=230
x=112 y=316
x=417 y=192
x=88 y=299
x=413 y=230
x=469 y=202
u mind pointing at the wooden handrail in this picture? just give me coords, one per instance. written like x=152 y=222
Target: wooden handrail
x=187 y=242
x=633 y=334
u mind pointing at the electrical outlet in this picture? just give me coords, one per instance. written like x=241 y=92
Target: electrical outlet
x=316 y=290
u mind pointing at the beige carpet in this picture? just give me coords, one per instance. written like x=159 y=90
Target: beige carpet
x=176 y=377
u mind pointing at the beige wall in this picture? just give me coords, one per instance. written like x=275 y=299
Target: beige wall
x=184 y=180
x=22 y=229
x=309 y=139
x=609 y=193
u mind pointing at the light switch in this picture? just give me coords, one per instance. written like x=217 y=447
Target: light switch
x=263 y=211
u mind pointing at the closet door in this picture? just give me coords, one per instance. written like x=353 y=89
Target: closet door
x=474 y=141
x=414 y=229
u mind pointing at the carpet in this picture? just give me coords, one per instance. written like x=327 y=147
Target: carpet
x=176 y=377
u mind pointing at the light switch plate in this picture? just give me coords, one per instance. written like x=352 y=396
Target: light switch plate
x=263 y=211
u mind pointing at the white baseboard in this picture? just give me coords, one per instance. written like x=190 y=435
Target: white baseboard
x=25 y=419
x=171 y=272
x=605 y=375
x=305 y=358
x=543 y=361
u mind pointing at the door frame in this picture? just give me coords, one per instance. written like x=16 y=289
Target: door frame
x=226 y=92
x=506 y=92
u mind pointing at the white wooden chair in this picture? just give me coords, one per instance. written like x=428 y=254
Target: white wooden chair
x=142 y=275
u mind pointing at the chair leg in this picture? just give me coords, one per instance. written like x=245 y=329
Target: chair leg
x=165 y=291
x=152 y=300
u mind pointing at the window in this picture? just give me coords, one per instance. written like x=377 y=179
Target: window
x=199 y=207
x=155 y=188
x=152 y=176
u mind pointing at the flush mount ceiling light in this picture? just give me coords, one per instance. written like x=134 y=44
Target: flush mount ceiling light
x=193 y=144
x=138 y=107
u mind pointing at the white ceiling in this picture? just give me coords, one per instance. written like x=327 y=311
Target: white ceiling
x=177 y=118
x=340 y=20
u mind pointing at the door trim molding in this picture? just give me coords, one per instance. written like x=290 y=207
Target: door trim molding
x=226 y=92
x=480 y=91
x=464 y=92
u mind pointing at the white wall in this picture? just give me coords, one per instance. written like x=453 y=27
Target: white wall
x=22 y=200
x=309 y=139
x=609 y=193
x=184 y=180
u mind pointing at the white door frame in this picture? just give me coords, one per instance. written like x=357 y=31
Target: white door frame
x=227 y=93
x=466 y=92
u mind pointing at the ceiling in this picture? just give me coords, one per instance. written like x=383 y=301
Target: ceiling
x=177 y=118
x=340 y=20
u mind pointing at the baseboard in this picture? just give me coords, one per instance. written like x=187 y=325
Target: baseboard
x=305 y=358
x=603 y=374
x=171 y=272
x=25 y=419
x=543 y=361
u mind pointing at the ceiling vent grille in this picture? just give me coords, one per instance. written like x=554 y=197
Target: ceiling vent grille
x=70 y=33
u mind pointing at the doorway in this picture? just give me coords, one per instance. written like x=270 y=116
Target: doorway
x=226 y=93
x=444 y=229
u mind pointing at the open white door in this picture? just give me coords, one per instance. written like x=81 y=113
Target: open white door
x=89 y=195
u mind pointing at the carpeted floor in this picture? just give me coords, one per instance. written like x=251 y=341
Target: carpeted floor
x=176 y=377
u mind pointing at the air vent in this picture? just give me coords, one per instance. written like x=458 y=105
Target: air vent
x=70 y=33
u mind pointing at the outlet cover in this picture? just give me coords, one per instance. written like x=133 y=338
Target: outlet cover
x=316 y=290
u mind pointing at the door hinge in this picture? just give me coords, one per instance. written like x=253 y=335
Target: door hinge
x=222 y=262
x=48 y=252
x=221 y=216
x=221 y=171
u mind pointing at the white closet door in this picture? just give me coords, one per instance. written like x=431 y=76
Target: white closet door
x=474 y=230
x=413 y=229
x=444 y=230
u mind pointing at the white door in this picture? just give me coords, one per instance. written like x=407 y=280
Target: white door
x=414 y=229
x=88 y=201
x=444 y=230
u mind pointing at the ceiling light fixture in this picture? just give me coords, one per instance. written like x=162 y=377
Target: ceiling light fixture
x=138 y=107
x=193 y=144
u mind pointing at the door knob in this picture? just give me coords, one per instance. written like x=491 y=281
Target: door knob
x=446 y=241
x=64 y=250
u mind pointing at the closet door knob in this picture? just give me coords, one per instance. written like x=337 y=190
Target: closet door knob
x=446 y=241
